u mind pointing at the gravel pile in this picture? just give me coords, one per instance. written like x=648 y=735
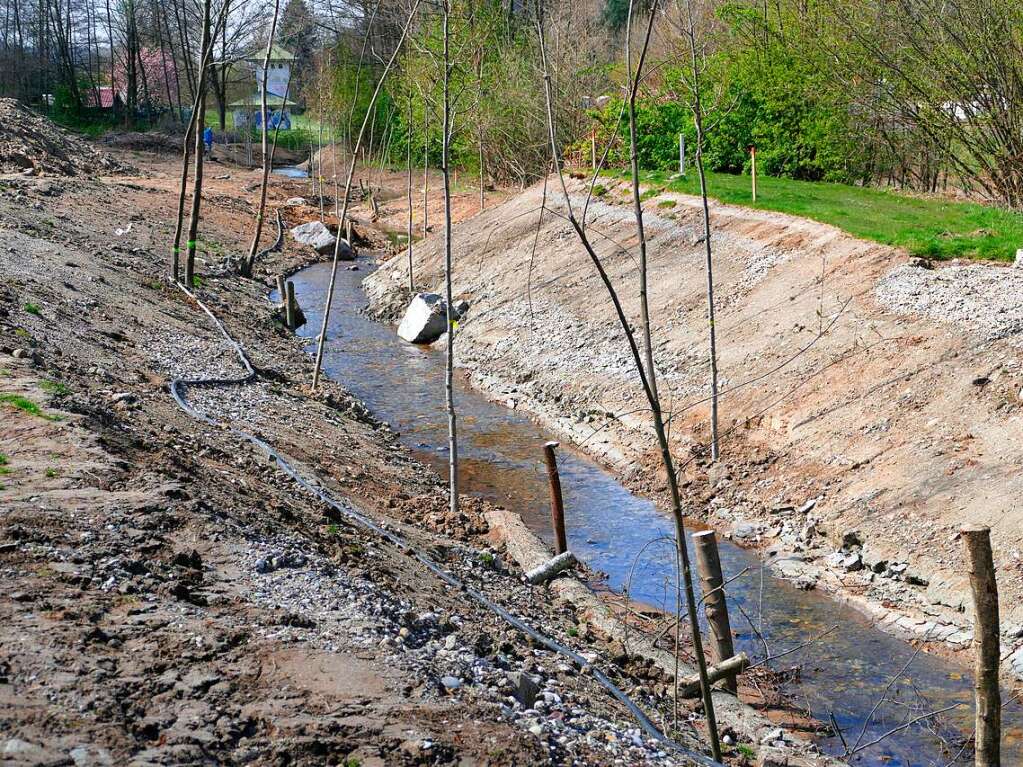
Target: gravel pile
x=31 y=143
x=978 y=297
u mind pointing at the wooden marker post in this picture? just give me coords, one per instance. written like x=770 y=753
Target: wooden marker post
x=987 y=743
x=557 y=504
x=282 y=289
x=753 y=166
x=682 y=154
x=708 y=564
x=290 y=306
x=593 y=149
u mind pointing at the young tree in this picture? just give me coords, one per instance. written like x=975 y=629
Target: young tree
x=264 y=113
x=449 y=361
x=652 y=399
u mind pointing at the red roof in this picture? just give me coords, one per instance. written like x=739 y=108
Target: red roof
x=105 y=93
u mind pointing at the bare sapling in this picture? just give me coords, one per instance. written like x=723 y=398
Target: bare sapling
x=696 y=105
x=348 y=192
x=408 y=157
x=186 y=156
x=200 y=121
x=637 y=203
x=265 y=180
x=652 y=399
x=449 y=383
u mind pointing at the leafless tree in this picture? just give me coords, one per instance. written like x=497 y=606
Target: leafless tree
x=652 y=399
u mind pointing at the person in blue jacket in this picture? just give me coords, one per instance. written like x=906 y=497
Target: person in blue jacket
x=207 y=139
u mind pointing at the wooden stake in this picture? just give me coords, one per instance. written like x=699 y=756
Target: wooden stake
x=987 y=744
x=593 y=149
x=282 y=289
x=715 y=606
x=753 y=166
x=290 y=307
x=557 y=503
x=682 y=154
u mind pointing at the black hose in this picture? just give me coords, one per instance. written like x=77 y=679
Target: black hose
x=176 y=391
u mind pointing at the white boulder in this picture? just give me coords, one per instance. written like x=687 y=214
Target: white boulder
x=317 y=236
x=425 y=319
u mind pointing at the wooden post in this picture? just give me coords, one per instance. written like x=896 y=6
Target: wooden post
x=753 y=166
x=557 y=505
x=987 y=744
x=708 y=564
x=290 y=306
x=348 y=232
x=593 y=149
x=282 y=289
x=682 y=154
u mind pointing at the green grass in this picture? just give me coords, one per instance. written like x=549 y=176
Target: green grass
x=26 y=405
x=52 y=473
x=55 y=387
x=196 y=281
x=925 y=226
x=33 y=309
x=4 y=468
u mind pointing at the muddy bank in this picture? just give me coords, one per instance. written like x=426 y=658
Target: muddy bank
x=173 y=597
x=856 y=439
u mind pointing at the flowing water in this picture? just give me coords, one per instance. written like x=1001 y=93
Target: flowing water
x=624 y=536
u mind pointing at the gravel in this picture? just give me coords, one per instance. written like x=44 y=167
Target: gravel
x=979 y=297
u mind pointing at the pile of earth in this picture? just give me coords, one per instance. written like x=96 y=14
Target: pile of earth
x=144 y=142
x=31 y=143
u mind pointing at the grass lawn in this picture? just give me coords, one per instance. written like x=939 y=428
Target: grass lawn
x=924 y=226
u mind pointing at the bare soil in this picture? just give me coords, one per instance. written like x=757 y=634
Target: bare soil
x=870 y=407
x=173 y=598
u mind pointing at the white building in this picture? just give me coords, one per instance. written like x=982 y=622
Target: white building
x=278 y=79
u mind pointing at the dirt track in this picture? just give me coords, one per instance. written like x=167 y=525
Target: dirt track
x=170 y=597
x=869 y=407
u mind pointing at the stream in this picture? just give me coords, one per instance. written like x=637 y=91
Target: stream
x=618 y=533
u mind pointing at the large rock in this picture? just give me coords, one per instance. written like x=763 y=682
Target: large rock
x=425 y=319
x=316 y=235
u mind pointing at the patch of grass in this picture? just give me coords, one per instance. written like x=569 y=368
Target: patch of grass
x=26 y=405
x=924 y=226
x=667 y=204
x=333 y=530
x=487 y=559
x=599 y=190
x=573 y=631
x=22 y=333
x=196 y=281
x=746 y=751
x=33 y=309
x=51 y=472
x=4 y=460
x=55 y=388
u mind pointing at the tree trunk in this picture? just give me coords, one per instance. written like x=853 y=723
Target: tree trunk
x=258 y=229
x=200 y=121
x=712 y=331
x=637 y=204
x=449 y=380
x=411 y=280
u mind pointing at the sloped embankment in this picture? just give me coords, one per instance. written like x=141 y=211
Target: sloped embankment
x=866 y=406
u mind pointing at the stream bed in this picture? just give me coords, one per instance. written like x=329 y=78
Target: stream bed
x=623 y=535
